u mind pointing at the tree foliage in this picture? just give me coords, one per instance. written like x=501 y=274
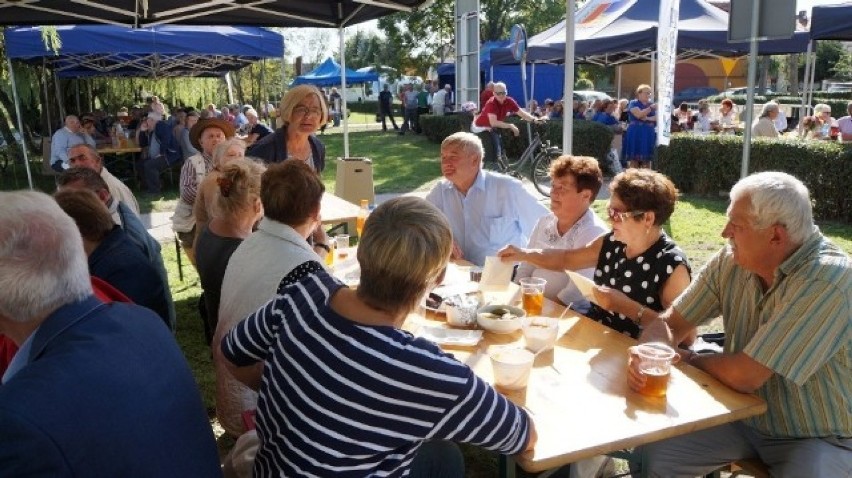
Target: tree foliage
x=427 y=36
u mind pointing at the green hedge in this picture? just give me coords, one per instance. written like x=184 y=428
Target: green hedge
x=710 y=165
x=589 y=138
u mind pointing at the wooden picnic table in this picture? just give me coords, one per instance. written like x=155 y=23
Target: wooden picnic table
x=127 y=146
x=578 y=394
x=338 y=212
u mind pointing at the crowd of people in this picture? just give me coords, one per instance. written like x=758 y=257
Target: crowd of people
x=315 y=378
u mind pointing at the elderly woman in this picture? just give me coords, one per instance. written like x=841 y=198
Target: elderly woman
x=301 y=113
x=727 y=114
x=327 y=345
x=637 y=266
x=641 y=136
x=230 y=150
x=235 y=209
x=824 y=121
x=765 y=124
x=576 y=181
x=290 y=193
x=256 y=130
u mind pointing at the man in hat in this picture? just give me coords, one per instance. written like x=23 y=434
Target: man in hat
x=204 y=136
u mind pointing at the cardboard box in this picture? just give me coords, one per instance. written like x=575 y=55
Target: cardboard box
x=355 y=180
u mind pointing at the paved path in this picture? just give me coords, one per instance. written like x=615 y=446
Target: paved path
x=159 y=224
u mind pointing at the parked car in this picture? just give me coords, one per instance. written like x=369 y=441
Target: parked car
x=742 y=90
x=693 y=94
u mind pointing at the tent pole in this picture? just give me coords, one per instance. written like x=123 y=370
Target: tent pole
x=813 y=74
x=568 y=97
x=230 y=88
x=532 y=85
x=20 y=121
x=618 y=82
x=653 y=69
x=752 y=73
x=345 y=118
x=802 y=110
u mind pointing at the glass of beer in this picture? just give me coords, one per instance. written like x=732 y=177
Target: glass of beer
x=655 y=362
x=532 y=293
x=341 y=246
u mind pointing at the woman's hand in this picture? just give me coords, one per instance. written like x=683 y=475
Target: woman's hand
x=511 y=253
x=610 y=299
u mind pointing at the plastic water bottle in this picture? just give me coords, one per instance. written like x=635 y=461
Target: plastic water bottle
x=825 y=130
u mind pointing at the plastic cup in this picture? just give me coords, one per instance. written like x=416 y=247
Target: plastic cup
x=540 y=333
x=475 y=274
x=341 y=246
x=532 y=294
x=512 y=368
x=655 y=362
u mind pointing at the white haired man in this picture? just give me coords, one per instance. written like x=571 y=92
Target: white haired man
x=63 y=139
x=95 y=389
x=486 y=210
x=785 y=293
x=86 y=156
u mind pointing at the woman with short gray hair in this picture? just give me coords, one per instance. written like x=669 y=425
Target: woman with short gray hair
x=345 y=391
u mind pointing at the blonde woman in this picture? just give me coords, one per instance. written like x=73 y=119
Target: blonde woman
x=236 y=207
x=301 y=114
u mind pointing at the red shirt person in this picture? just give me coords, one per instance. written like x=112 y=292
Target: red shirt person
x=494 y=113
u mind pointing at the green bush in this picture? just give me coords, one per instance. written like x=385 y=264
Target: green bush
x=710 y=165
x=584 y=84
x=436 y=128
x=363 y=106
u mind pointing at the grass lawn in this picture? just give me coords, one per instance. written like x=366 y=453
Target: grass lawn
x=401 y=164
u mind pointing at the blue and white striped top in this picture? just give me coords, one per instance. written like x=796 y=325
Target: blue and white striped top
x=343 y=399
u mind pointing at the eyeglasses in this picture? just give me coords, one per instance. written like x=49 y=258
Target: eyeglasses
x=620 y=216
x=500 y=93
x=304 y=111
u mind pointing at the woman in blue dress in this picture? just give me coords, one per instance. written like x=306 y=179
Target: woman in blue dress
x=641 y=137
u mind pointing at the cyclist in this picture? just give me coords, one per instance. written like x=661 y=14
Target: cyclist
x=493 y=114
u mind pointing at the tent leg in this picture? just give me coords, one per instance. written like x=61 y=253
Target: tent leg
x=20 y=122
x=343 y=110
x=568 y=97
x=802 y=110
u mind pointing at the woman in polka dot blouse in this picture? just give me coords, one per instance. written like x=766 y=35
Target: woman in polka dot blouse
x=638 y=268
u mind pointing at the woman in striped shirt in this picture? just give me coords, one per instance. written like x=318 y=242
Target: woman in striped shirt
x=346 y=392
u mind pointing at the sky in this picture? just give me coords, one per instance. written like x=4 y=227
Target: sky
x=305 y=44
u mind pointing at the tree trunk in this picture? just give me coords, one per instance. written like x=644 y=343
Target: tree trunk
x=793 y=73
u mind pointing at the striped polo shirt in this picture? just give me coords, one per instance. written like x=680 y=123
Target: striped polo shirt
x=799 y=328
x=344 y=399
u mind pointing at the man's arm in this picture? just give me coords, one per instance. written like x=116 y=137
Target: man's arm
x=737 y=370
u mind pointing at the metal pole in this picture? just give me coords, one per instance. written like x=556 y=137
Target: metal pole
x=230 y=88
x=526 y=96
x=752 y=73
x=618 y=82
x=343 y=114
x=46 y=80
x=653 y=71
x=532 y=83
x=568 y=98
x=802 y=110
x=813 y=73
x=23 y=143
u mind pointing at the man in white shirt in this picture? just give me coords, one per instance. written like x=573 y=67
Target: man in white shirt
x=485 y=210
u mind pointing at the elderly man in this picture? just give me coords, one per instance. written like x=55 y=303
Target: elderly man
x=493 y=115
x=441 y=99
x=486 y=210
x=204 y=136
x=765 y=124
x=96 y=389
x=86 y=156
x=785 y=293
x=71 y=134
x=844 y=123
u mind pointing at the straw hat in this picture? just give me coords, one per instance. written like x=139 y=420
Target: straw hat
x=205 y=123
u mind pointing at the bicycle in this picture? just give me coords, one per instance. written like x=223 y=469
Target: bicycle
x=534 y=162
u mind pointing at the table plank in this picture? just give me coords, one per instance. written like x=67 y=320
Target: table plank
x=579 y=397
x=129 y=147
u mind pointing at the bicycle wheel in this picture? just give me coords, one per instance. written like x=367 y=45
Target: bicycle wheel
x=540 y=170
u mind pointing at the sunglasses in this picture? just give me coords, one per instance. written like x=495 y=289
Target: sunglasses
x=621 y=216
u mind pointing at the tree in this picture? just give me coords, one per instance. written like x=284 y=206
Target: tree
x=428 y=36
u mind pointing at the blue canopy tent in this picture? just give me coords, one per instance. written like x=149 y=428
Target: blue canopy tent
x=163 y=51
x=832 y=22
x=328 y=73
x=611 y=32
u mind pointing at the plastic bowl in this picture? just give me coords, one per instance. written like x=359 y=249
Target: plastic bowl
x=499 y=325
